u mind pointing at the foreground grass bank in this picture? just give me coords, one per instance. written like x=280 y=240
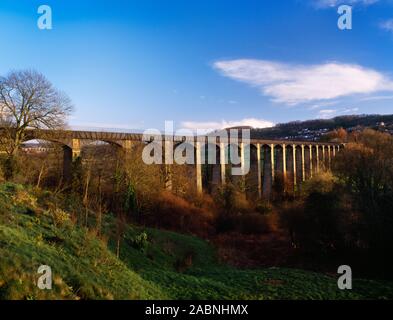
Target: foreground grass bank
x=153 y=264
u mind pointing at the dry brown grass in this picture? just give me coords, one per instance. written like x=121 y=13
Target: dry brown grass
x=175 y=213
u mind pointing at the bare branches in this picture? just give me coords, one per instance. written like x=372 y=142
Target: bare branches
x=28 y=100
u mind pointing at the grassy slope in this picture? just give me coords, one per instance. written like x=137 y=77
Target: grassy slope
x=81 y=264
x=207 y=279
x=84 y=267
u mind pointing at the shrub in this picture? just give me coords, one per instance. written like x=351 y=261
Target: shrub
x=10 y=167
x=316 y=221
x=366 y=167
x=59 y=217
x=323 y=182
x=23 y=199
x=229 y=200
x=174 y=213
x=226 y=198
x=140 y=241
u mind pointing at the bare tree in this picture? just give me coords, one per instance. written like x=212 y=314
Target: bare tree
x=29 y=101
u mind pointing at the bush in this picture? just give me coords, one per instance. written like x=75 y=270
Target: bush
x=140 y=241
x=229 y=200
x=174 y=213
x=60 y=217
x=316 y=222
x=366 y=167
x=323 y=182
x=10 y=167
x=226 y=198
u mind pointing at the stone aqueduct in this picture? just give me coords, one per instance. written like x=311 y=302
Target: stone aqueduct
x=294 y=161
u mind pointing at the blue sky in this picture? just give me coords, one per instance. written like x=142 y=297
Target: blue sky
x=207 y=63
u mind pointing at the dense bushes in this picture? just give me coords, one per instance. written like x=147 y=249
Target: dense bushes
x=229 y=211
x=317 y=220
x=350 y=209
x=236 y=213
x=174 y=213
x=366 y=168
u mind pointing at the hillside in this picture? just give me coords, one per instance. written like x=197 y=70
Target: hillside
x=165 y=265
x=315 y=129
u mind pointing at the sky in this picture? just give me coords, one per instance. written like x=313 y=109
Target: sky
x=132 y=65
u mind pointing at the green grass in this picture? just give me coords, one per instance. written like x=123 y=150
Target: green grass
x=208 y=279
x=84 y=267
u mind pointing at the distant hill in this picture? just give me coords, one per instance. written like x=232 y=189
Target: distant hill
x=315 y=129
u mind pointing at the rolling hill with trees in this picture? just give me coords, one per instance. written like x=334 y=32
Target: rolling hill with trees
x=314 y=130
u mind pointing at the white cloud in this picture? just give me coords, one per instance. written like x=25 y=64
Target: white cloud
x=293 y=84
x=376 y=98
x=326 y=113
x=329 y=113
x=335 y=3
x=387 y=25
x=323 y=104
x=350 y=110
x=217 y=125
